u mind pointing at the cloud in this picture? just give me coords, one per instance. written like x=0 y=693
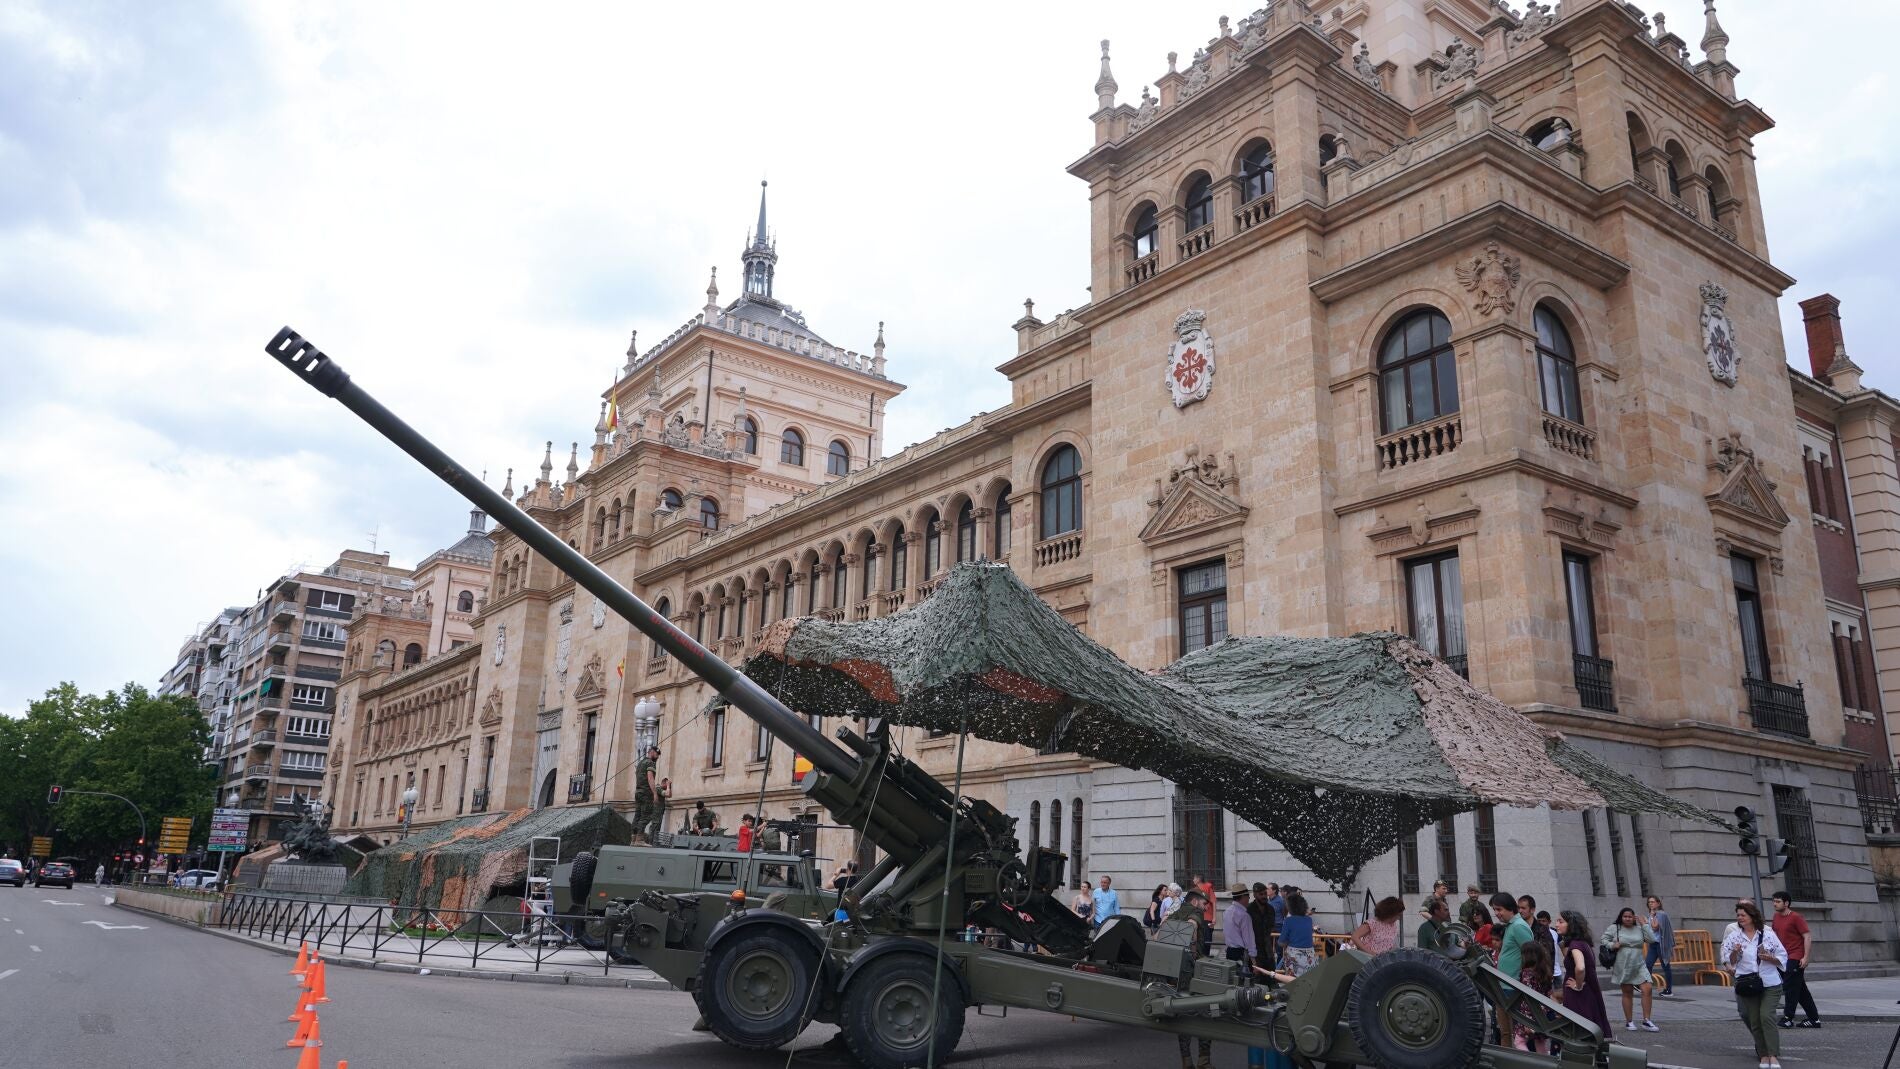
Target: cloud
x=471 y=208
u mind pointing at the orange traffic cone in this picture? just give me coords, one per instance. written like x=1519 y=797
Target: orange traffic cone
x=312 y=1057
x=303 y=960
x=316 y=989
x=302 y=1007
x=305 y=1028
x=310 y=972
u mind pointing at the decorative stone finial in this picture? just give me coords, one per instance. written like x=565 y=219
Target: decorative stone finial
x=508 y=485
x=600 y=425
x=547 y=462
x=1029 y=308
x=573 y=462
x=1173 y=58
x=1714 y=37
x=1660 y=21
x=1225 y=30
x=878 y=346
x=1105 y=85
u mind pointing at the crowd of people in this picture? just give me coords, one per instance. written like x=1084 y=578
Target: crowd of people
x=1270 y=930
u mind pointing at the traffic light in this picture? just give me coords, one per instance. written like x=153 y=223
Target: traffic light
x=1780 y=854
x=54 y=794
x=1745 y=824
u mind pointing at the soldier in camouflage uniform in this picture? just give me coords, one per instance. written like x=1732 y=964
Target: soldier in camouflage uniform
x=649 y=801
x=770 y=840
x=705 y=821
x=1182 y=928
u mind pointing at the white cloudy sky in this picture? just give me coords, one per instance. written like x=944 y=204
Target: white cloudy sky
x=471 y=205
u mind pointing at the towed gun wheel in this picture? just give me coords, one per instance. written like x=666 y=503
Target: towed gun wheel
x=1415 y=1007
x=580 y=877
x=890 y=1020
x=755 y=989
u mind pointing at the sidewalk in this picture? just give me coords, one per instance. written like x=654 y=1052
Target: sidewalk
x=449 y=956
x=1868 y=1000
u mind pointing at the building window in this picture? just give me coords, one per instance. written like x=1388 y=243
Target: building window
x=488 y=762
x=1445 y=837
x=716 y=747
x=840 y=585
x=1199 y=839
x=1002 y=522
x=1203 y=613
x=900 y=559
x=1557 y=368
x=665 y=612
x=305 y=694
x=1055 y=825
x=709 y=514
x=785 y=597
x=1847 y=666
x=1616 y=852
x=298 y=759
x=791 y=448
x=1794 y=819
x=587 y=751
x=966 y=532
x=1256 y=174
x=1436 y=611
x=411 y=654
x=1199 y=203
x=811 y=587
x=465 y=601
x=1035 y=825
x=1147 y=232
x=1589 y=670
x=1817 y=465
x=1062 y=492
x=838 y=459
x=308 y=726
x=719 y=629
x=933 y=546
x=670 y=500
x=761 y=743
x=1590 y=852
x=322 y=631
x=1643 y=882
x=749 y=435
x=1408 y=864
x=1547 y=135
x=869 y=575
x=1749 y=615
x=1418 y=373
x=1485 y=820
x=1075 y=843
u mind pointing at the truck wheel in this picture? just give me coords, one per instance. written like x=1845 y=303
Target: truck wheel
x=1413 y=1007
x=888 y=1018
x=580 y=878
x=755 y=989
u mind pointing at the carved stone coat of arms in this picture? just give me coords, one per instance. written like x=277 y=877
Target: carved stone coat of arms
x=1492 y=277
x=1718 y=335
x=1191 y=361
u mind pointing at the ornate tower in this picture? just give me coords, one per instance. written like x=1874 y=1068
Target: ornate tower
x=760 y=257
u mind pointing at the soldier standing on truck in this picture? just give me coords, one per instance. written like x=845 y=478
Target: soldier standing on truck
x=649 y=805
x=705 y=821
x=1183 y=928
x=770 y=840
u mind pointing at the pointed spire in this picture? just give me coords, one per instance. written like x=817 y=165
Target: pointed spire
x=877 y=351
x=547 y=465
x=573 y=462
x=600 y=426
x=760 y=256
x=1105 y=85
x=633 y=351
x=1714 y=37
x=508 y=485
x=758 y=235
x=712 y=296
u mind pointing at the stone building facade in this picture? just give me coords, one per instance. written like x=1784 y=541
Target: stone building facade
x=1430 y=317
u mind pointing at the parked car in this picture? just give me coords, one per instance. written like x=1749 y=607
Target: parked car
x=201 y=879
x=57 y=873
x=12 y=872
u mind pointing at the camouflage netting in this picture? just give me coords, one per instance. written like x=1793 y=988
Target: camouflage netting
x=461 y=863
x=1337 y=747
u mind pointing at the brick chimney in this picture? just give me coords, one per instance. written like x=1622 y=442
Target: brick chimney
x=1822 y=315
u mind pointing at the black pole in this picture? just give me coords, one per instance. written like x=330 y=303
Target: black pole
x=310 y=364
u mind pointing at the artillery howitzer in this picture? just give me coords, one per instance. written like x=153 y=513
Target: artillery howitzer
x=889 y=976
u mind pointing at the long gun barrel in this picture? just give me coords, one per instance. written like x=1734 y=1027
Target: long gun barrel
x=310 y=364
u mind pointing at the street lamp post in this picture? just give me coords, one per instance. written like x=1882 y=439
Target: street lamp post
x=409 y=798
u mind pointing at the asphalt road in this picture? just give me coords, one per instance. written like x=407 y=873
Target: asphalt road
x=86 y=984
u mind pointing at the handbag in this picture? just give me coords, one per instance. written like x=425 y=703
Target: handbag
x=1606 y=955
x=1751 y=986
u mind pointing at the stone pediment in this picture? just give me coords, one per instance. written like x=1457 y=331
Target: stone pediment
x=1745 y=495
x=491 y=708
x=1193 y=501
x=592 y=683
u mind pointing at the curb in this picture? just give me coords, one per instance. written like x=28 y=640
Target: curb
x=577 y=980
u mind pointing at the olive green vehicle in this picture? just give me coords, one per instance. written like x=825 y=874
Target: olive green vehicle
x=894 y=978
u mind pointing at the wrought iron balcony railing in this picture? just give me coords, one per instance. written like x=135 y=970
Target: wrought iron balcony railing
x=1777 y=707
x=1595 y=683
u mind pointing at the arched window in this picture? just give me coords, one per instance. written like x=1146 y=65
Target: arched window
x=1328 y=149
x=1677 y=162
x=613 y=518
x=1075 y=843
x=966 y=533
x=699 y=623
x=785 y=599
x=1721 y=200
x=671 y=500
x=840 y=588
x=1035 y=825
x=1062 y=492
x=870 y=566
x=719 y=625
x=1549 y=134
x=838 y=459
x=811 y=586
x=465 y=601
x=1418 y=376
x=1557 y=367
x=1055 y=825
x=791 y=448
x=900 y=559
x=1639 y=141
x=709 y=514
x=749 y=435
x=1002 y=522
x=933 y=545
x=665 y=611
x=411 y=654
x=1256 y=173
x=1147 y=232
x=1199 y=203
x=600 y=526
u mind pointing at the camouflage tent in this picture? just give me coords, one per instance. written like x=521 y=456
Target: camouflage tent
x=1337 y=747
x=461 y=863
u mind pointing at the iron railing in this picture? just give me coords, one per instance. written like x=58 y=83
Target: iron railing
x=1878 y=792
x=1777 y=707
x=390 y=931
x=1595 y=678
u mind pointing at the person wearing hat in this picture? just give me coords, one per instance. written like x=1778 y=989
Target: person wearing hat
x=1236 y=929
x=1471 y=912
x=648 y=804
x=705 y=821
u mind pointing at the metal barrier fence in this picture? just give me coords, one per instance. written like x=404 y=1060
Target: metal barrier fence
x=387 y=931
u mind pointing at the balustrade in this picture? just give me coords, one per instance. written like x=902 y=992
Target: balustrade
x=1777 y=707
x=1253 y=213
x=861 y=611
x=1196 y=243
x=1144 y=269
x=1595 y=678
x=1572 y=438
x=890 y=601
x=1420 y=441
x=834 y=615
x=1062 y=547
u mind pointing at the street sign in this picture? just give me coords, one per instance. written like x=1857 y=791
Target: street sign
x=42 y=846
x=174 y=835
x=229 y=830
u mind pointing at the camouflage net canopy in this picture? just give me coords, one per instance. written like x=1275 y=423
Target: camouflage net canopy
x=1336 y=747
x=461 y=863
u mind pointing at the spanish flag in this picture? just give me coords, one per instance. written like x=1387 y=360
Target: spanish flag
x=800 y=766
x=613 y=414
x=621 y=668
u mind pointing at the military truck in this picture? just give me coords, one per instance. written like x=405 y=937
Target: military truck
x=893 y=977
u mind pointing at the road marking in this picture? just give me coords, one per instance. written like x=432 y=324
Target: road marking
x=56 y=902
x=35 y=949
x=9 y=972
x=111 y=927
x=17 y=931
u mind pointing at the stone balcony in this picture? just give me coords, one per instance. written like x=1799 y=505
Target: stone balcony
x=1420 y=441
x=1063 y=547
x=1195 y=243
x=1252 y=214
x=1567 y=437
